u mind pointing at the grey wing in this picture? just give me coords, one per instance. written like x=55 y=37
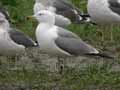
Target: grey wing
x=65 y=33
x=68 y=10
x=20 y=38
x=62 y=5
x=114 y=5
x=72 y=44
x=61 y=21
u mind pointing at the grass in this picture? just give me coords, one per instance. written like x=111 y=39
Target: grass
x=28 y=73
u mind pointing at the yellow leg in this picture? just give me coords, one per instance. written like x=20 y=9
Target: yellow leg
x=103 y=36
x=107 y=30
x=111 y=36
x=111 y=32
x=101 y=31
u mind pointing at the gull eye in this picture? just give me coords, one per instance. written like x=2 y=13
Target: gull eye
x=40 y=14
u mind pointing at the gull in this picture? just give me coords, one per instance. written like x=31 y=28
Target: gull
x=5 y=13
x=60 y=42
x=104 y=12
x=66 y=13
x=12 y=42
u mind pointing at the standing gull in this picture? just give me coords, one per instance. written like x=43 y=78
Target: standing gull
x=12 y=42
x=66 y=13
x=105 y=12
x=59 y=41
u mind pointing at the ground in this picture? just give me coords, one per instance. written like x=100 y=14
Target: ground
x=37 y=71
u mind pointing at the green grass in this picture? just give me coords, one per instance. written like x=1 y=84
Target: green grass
x=92 y=77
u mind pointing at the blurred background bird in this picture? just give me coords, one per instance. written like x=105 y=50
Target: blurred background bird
x=66 y=13
x=12 y=41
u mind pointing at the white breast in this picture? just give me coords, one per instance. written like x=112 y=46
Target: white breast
x=100 y=12
x=46 y=38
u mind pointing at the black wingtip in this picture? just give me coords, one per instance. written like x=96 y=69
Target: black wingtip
x=103 y=55
x=36 y=44
x=84 y=18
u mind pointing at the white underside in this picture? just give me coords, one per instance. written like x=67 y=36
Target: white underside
x=7 y=46
x=101 y=13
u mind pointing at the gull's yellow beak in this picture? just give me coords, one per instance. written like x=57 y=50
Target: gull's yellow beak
x=31 y=18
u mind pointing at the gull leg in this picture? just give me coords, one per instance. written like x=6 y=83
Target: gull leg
x=60 y=65
x=102 y=36
x=104 y=32
x=111 y=36
x=111 y=33
x=100 y=30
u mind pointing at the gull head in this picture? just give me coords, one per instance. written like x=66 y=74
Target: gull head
x=45 y=2
x=4 y=23
x=45 y=16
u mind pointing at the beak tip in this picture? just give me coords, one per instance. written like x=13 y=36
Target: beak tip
x=29 y=17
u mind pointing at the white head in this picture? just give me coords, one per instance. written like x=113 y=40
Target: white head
x=45 y=2
x=3 y=21
x=45 y=16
